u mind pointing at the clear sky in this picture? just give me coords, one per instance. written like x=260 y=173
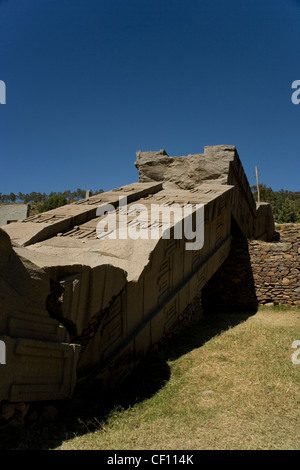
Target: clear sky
x=90 y=82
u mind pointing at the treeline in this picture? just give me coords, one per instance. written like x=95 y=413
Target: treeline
x=285 y=204
x=42 y=197
x=45 y=201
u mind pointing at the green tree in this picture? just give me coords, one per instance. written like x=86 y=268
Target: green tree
x=288 y=212
x=67 y=194
x=285 y=204
x=57 y=200
x=12 y=197
x=98 y=191
x=80 y=193
x=21 y=196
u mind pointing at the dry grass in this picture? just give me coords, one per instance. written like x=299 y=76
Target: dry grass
x=228 y=383
x=238 y=390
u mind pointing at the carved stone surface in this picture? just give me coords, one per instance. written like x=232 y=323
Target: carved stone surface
x=77 y=306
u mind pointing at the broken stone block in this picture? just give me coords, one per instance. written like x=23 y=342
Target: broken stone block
x=79 y=306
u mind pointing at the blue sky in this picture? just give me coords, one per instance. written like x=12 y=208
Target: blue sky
x=90 y=82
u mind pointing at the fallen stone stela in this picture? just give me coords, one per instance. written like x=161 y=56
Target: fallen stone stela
x=77 y=308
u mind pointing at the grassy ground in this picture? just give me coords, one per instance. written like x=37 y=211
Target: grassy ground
x=228 y=383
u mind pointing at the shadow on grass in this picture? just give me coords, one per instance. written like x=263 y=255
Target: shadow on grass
x=90 y=411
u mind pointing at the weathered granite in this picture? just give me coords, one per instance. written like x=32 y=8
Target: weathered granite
x=84 y=308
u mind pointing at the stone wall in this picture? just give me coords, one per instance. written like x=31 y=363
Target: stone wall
x=257 y=273
x=12 y=213
x=276 y=267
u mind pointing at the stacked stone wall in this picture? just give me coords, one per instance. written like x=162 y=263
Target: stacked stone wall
x=257 y=273
x=276 y=267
